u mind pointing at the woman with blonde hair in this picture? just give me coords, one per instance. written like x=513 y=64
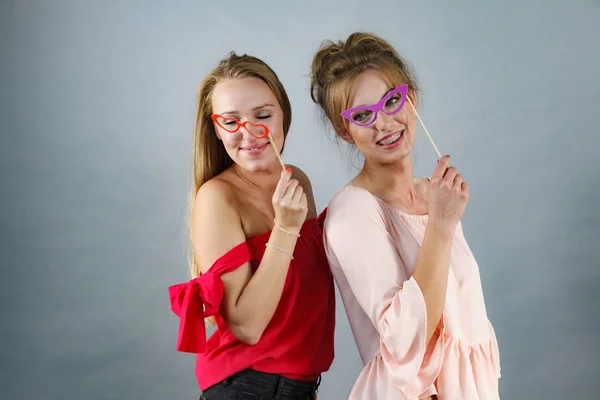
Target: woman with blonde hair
x=258 y=264
x=408 y=280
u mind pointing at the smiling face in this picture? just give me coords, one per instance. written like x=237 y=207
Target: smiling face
x=250 y=101
x=390 y=137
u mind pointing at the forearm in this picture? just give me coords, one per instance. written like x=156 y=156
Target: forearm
x=431 y=272
x=259 y=299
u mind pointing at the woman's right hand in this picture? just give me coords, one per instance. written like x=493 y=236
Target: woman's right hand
x=447 y=195
x=289 y=202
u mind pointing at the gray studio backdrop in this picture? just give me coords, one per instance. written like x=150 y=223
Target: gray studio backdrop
x=96 y=108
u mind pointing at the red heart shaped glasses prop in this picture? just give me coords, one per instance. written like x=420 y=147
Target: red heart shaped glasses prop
x=259 y=131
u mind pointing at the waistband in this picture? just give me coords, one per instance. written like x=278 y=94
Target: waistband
x=276 y=383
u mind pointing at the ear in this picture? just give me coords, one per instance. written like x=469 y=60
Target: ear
x=346 y=137
x=217 y=132
x=413 y=97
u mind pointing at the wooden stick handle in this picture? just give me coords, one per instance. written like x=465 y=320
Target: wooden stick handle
x=276 y=151
x=422 y=124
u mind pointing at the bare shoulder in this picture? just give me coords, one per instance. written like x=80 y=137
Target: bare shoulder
x=216 y=191
x=216 y=224
x=304 y=181
x=217 y=196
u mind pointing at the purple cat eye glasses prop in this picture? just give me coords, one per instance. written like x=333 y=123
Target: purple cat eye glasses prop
x=390 y=104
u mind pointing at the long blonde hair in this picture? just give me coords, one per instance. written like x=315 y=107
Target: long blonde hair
x=337 y=66
x=209 y=155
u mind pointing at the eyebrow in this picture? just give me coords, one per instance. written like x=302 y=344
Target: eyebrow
x=385 y=94
x=254 y=109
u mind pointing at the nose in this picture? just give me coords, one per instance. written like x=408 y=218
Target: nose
x=251 y=130
x=247 y=134
x=383 y=122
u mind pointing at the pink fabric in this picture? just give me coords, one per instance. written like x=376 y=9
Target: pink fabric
x=372 y=250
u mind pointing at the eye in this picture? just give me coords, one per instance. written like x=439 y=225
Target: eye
x=392 y=100
x=362 y=116
x=264 y=116
x=228 y=123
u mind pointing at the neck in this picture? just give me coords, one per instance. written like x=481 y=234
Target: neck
x=263 y=181
x=392 y=182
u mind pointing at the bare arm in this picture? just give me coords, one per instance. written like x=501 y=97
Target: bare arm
x=249 y=299
x=431 y=272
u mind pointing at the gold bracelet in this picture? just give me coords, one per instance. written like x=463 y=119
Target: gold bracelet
x=280 y=249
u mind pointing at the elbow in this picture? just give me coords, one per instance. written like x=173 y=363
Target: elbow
x=249 y=340
x=247 y=335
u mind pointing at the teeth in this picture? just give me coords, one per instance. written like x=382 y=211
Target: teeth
x=391 y=139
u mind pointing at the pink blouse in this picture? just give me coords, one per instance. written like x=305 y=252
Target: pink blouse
x=372 y=249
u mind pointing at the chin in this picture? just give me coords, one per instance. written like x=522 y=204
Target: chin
x=256 y=165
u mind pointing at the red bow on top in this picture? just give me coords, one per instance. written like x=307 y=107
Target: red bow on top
x=201 y=297
x=192 y=302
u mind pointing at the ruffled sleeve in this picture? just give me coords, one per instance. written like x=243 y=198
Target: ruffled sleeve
x=358 y=240
x=201 y=297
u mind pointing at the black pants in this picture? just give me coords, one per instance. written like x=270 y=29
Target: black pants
x=252 y=385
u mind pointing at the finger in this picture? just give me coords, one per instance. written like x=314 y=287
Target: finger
x=458 y=180
x=290 y=189
x=297 y=195
x=303 y=199
x=286 y=174
x=450 y=174
x=465 y=188
x=441 y=167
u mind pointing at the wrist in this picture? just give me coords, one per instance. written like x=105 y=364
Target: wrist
x=289 y=254
x=292 y=231
x=283 y=240
x=442 y=227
